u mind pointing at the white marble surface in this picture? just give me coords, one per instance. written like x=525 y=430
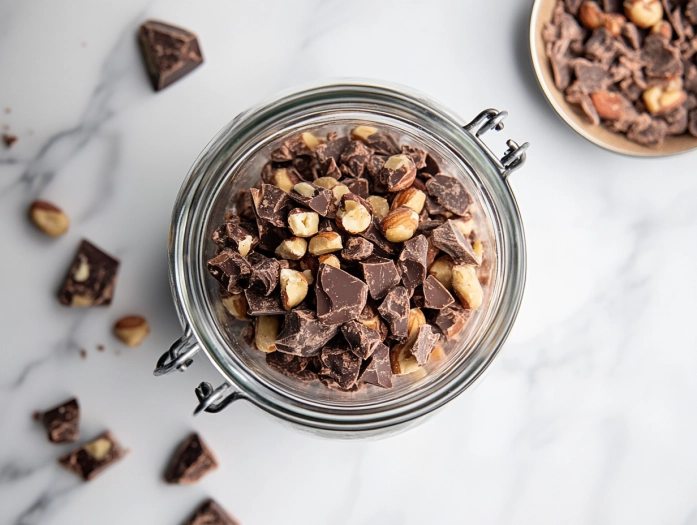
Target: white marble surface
x=587 y=417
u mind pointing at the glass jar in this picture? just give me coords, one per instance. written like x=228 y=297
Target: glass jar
x=233 y=161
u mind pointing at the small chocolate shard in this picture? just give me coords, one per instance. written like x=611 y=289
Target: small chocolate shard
x=451 y=240
x=307 y=168
x=92 y=458
x=244 y=205
x=378 y=370
x=303 y=334
x=170 y=52
x=356 y=249
x=236 y=235
x=290 y=366
x=260 y=304
x=650 y=132
x=354 y=158
x=91 y=278
x=265 y=274
x=591 y=77
x=62 y=422
x=431 y=169
x=451 y=320
x=191 y=461
x=341 y=365
x=395 y=311
x=436 y=296
x=382 y=246
x=425 y=342
x=331 y=149
x=321 y=200
x=383 y=143
x=340 y=296
x=9 y=140
x=271 y=204
x=417 y=155
x=330 y=169
x=361 y=339
x=449 y=193
x=231 y=270
x=359 y=187
x=602 y=46
x=661 y=58
x=412 y=261
x=380 y=274
x=210 y=513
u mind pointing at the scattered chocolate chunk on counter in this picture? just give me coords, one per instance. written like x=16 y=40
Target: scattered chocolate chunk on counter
x=169 y=52
x=330 y=257
x=93 y=458
x=211 y=513
x=62 y=423
x=192 y=460
x=91 y=278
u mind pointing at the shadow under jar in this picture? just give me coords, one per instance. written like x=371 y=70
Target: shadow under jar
x=233 y=161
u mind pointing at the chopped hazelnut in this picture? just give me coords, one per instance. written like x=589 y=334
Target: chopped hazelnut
x=310 y=140
x=442 y=269
x=380 y=206
x=352 y=216
x=49 y=218
x=363 y=132
x=132 y=330
x=303 y=223
x=400 y=224
x=236 y=305
x=411 y=198
x=325 y=242
x=330 y=259
x=294 y=288
x=467 y=286
x=265 y=333
x=659 y=101
x=292 y=249
x=644 y=13
x=326 y=182
x=305 y=189
x=284 y=179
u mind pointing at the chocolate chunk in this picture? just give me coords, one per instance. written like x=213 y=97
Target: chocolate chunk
x=412 y=261
x=265 y=275
x=602 y=46
x=382 y=246
x=449 y=193
x=307 y=168
x=560 y=62
x=331 y=149
x=378 y=370
x=270 y=236
x=356 y=249
x=691 y=12
x=661 y=58
x=62 y=422
x=238 y=236
x=9 y=140
x=360 y=338
x=426 y=340
x=677 y=121
x=210 y=513
x=291 y=366
x=451 y=240
x=380 y=274
x=192 y=460
x=169 y=52
x=282 y=154
x=354 y=158
x=417 y=155
x=432 y=168
x=591 y=77
x=231 y=270
x=436 y=295
x=92 y=458
x=340 y=296
x=91 y=278
x=260 y=304
x=303 y=334
x=451 y=320
x=244 y=205
x=650 y=132
x=341 y=365
x=271 y=204
x=359 y=187
x=395 y=311
x=631 y=34
x=692 y=123
x=330 y=169
x=383 y=143
x=320 y=201
x=573 y=5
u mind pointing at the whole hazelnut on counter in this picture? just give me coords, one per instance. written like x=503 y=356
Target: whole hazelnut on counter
x=644 y=13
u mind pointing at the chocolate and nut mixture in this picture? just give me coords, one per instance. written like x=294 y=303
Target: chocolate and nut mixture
x=630 y=65
x=351 y=259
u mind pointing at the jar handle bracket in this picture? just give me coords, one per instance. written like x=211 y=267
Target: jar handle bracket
x=214 y=401
x=179 y=356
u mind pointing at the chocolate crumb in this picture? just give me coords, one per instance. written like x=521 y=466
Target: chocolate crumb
x=9 y=140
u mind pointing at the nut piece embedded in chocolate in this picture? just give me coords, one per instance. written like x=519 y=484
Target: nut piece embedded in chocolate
x=132 y=330
x=378 y=371
x=92 y=458
x=316 y=198
x=380 y=274
x=303 y=334
x=192 y=460
x=395 y=311
x=62 y=422
x=91 y=278
x=340 y=296
x=357 y=249
x=412 y=262
x=383 y=143
x=450 y=193
x=169 y=52
x=49 y=218
x=450 y=239
x=424 y=344
x=352 y=214
x=398 y=173
x=210 y=513
x=436 y=296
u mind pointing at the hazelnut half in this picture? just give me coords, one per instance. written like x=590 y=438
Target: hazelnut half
x=325 y=242
x=400 y=224
x=644 y=13
x=236 y=305
x=442 y=269
x=303 y=223
x=292 y=249
x=132 y=330
x=284 y=179
x=380 y=205
x=266 y=330
x=294 y=288
x=353 y=215
x=49 y=218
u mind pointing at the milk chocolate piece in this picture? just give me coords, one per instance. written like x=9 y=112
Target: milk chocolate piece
x=91 y=278
x=354 y=158
x=271 y=204
x=451 y=240
x=382 y=247
x=169 y=52
x=303 y=334
x=359 y=187
x=417 y=155
x=231 y=270
x=260 y=304
x=395 y=311
x=436 y=295
x=265 y=275
x=426 y=340
x=331 y=149
x=361 y=339
x=192 y=460
x=451 y=320
x=62 y=422
x=412 y=261
x=380 y=275
x=290 y=365
x=320 y=202
x=378 y=370
x=449 y=193
x=92 y=458
x=210 y=513
x=340 y=296
x=341 y=365
x=356 y=249
x=383 y=143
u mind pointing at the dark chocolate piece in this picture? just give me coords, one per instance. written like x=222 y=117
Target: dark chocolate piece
x=62 y=422
x=382 y=246
x=354 y=158
x=260 y=304
x=380 y=274
x=449 y=193
x=661 y=58
x=244 y=205
x=9 y=140
x=591 y=77
x=330 y=169
x=307 y=168
x=231 y=270
x=649 y=132
x=417 y=155
x=265 y=275
x=331 y=149
x=356 y=249
x=303 y=334
x=360 y=338
x=271 y=204
x=359 y=187
x=451 y=240
x=238 y=236
x=398 y=175
x=340 y=296
x=169 y=52
x=320 y=202
x=342 y=366
x=395 y=311
x=451 y=320
x=378 y=370
x=291 y=366
x=412 y=261
x=91 y=278
x=92 y=458
x=383 y=143
x=436 y=295
x=191 y=461
x=426 y=340
x=210 y=513
x=431 y=169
